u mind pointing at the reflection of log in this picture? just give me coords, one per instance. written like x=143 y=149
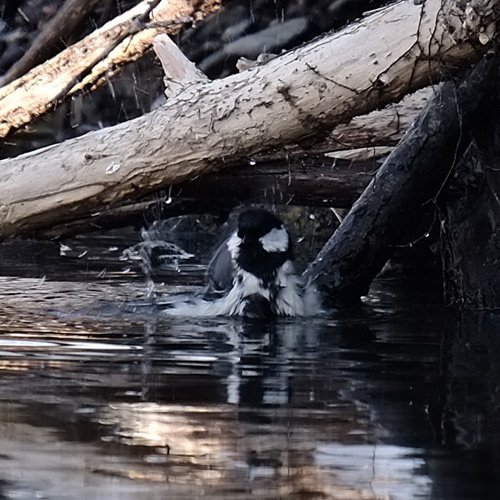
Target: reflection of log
x=403 y=188
x=471 y=369
x=471 y=219
x=313 y=181
x=303 y=93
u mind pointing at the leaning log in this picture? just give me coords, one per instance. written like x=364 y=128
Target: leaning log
x=91 y=61
x=405 y=187
x=299 y=95
x=59 y=30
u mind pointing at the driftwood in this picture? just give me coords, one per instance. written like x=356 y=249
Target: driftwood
x=60 y=28
x=179 y=71
x=93 y=60
x=383 y=127
x=313 y=181
x=226 y=122
x=293 y=176
x=407 y=185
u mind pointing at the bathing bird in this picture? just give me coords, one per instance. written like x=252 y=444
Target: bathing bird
x=254 y=270
x=252 y=274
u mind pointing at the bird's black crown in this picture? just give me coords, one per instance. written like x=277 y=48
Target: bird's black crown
x=253 y=225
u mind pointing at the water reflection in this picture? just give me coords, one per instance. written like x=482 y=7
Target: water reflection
x=104 y=397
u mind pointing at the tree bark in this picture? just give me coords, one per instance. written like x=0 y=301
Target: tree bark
x=90 y=62
x=382 y=127
x=302 y=94
x=404 y=188
x=470 y=218
x=310 y=181
x=60 y=28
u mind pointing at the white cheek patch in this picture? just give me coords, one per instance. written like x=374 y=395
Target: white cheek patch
x=275 y=240
x=233 y=245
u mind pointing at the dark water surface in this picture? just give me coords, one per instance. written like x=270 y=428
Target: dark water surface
x=103 y=397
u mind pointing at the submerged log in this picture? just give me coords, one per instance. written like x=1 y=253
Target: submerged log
x=301 y=94
x=407 y=185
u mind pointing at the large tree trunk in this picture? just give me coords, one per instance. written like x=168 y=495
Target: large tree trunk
x=470 y=222
x=405 y=187
x=303 y=93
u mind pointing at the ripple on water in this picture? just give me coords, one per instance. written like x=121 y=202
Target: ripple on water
x=103 y=396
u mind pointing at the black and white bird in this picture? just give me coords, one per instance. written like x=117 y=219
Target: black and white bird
x=254 y=275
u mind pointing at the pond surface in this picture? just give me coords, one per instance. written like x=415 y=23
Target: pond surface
x=104 y=397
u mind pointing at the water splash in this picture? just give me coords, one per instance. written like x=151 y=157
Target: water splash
x=153 y=253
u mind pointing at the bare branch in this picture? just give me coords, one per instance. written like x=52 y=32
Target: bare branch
x=60 y=27
x=89 y=62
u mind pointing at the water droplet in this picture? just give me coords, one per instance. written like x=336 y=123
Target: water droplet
x=111 y=169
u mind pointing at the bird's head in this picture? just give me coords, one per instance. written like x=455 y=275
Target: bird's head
x=261 y=243
x=263 y=229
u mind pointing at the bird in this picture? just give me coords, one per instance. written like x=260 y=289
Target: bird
x=252 y=274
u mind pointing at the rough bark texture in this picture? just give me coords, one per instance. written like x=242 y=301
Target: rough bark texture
x=403 y=189
x=59 y=29
x=301 y=94
x=310 y=181
x=89 y=62
x=471 y=219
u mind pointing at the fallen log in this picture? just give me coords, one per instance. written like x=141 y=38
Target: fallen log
x=56 y=32
x=93 y=60
x=299 y=95
x=307 y=180
x=382 y=127
x=405 y=187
